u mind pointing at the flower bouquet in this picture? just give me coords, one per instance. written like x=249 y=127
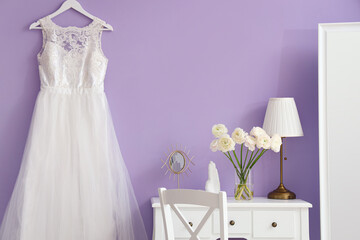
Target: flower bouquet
x=252 y=147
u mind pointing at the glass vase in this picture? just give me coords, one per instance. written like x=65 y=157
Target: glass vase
x=244 y=186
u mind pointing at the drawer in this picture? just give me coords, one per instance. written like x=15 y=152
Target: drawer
x=284 y=222
x=195 y=217
x=241 y=221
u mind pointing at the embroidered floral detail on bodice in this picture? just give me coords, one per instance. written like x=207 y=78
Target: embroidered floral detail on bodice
x=72 y=41
x=71 y=57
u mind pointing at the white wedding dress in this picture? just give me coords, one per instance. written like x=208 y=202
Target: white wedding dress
x=73 y=183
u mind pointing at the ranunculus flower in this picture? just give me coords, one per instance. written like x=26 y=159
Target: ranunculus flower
x=257 y=132
x=218 y=130
x=214 y=145
x=276 y=143
x=239 y=135
x=226 y=143
x=250 y=142
x=263 y=141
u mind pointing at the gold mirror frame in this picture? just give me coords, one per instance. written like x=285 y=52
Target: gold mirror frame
x=185 y=168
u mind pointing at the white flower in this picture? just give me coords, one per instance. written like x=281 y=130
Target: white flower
x=214 y=145
x=226 y=143
x=276 y=143
x=250 y=142
x=263 y=141
x=239 y=135
x=257 y=132
x=218 y=130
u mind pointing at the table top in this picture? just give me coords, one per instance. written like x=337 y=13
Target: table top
x=255 y=202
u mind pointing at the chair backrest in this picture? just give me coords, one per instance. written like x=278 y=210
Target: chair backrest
x=169 y=199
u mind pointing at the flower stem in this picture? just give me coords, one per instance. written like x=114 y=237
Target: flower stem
x=241 y=158
x=260 y=155
x=247 y=151
x=237 y=170
x=256 y=154
x=251 y=156
x=243 y=192
x=237 y=160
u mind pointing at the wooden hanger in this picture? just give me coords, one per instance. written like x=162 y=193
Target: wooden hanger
x=66 y=6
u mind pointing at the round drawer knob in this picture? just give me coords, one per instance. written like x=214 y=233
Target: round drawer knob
x=274 y=224
x=232 y=222
x=191 y=224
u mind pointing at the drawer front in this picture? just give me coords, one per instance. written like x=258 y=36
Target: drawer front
x=238 y=221
x=274 y=224
x=195 y=217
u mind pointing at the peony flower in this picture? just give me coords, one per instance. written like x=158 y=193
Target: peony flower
x=276 y=143
x=263 y=141
x=250 y=142
x=226 y=143
x=218 y=130
x=214 y=145
x=239 y=135
x=257 y=132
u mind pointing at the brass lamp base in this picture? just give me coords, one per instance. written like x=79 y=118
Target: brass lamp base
x=281 y=193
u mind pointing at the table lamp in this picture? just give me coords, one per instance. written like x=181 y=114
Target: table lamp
x=282 y=118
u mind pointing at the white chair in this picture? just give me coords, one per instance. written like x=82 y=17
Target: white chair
x=168 y=199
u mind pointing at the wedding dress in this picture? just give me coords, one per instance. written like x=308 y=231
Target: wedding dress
x=73 y=183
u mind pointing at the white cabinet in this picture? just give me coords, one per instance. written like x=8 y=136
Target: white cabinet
x=257 y=219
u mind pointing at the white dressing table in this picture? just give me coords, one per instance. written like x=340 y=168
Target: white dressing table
x=257 y=219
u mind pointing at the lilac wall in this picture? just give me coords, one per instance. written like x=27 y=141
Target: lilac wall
x=176 y=68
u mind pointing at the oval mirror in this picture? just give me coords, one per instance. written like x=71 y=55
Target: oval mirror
x=177 y=162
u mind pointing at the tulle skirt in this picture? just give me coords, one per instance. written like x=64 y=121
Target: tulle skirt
x=73 y=183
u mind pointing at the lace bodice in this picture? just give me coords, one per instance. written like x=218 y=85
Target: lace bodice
x=71 y=57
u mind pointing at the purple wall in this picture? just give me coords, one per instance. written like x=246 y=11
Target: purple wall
x=176 y=68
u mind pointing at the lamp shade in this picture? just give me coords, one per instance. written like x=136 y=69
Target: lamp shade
x=282 y=118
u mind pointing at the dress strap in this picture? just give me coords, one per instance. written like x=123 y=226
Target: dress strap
x=45 y=23
x=98 y=23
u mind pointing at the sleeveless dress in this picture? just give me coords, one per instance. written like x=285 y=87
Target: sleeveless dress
x=73 y=183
